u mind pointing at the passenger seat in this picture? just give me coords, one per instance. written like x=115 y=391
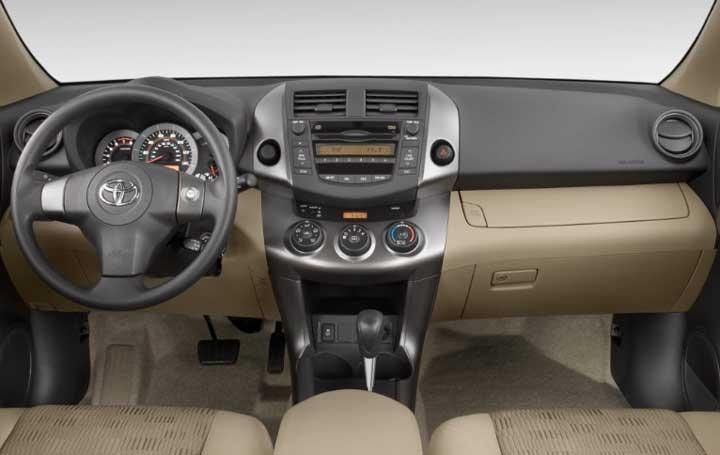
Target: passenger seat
x=581 y=432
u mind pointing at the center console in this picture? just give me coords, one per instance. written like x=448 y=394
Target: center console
x=356 y=178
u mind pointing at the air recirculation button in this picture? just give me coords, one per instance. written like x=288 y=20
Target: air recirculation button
x=306 y=236
x=402 y=237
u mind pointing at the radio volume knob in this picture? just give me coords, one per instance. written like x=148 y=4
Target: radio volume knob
x=402 y=237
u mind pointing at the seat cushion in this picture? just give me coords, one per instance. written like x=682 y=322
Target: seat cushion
x=579 y=431
x=130 y=430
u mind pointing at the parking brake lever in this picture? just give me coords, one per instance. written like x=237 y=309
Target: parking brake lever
x=369 y=335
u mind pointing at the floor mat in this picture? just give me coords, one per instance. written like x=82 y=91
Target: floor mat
x=519 y=363
x=157 y=356
x=468 y=366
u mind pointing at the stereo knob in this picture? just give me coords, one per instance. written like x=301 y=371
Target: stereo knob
x=402 y=237
x=442 y=153
x=306 y=236
x=269 y=153
x=354 y=240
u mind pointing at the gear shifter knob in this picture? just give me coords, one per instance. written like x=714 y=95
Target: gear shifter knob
x=369 y=335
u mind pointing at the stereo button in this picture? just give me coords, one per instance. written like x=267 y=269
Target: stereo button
x=298 y=127
x=412 y=127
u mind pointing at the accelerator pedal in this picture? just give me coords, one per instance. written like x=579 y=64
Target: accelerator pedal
x=276 y=351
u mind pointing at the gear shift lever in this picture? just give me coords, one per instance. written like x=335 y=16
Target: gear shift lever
x=369 y=335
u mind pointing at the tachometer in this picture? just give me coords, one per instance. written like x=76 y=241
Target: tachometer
x=169 y=145
x=115 y=146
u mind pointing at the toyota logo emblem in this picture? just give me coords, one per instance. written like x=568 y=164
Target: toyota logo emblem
x=119 y=193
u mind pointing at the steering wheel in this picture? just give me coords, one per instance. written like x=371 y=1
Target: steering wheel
x=128 y=210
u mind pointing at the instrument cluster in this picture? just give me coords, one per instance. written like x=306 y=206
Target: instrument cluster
x=165 y=144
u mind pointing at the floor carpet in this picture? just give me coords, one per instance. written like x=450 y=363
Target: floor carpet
x=502 y=364
x=468 y=366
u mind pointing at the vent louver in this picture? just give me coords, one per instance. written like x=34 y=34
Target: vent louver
x=677 y=134
x=391 y=102
x=320 y=102
x=26 y=126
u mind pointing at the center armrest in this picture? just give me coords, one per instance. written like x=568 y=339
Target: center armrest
x=351 y=422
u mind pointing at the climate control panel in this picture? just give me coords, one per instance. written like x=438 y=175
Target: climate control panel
x=353 y=241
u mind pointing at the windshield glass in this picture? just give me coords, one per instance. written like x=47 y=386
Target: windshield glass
x=90 y=40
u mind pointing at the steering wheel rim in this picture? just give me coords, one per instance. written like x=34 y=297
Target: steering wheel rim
x=32 y=199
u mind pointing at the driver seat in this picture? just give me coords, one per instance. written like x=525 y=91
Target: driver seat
x=130 y=430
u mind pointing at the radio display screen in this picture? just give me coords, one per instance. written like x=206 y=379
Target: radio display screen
x=374 y=149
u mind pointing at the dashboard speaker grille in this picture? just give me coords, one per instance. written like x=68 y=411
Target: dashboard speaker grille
x=320 y=102
x=391 y=102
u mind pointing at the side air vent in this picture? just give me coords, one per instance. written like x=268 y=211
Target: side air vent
x=320 y=102
x=26 y=126
x=677 y=134
x=391 y=102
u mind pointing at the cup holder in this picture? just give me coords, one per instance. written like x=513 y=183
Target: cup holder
x=389 y=366
x=330 y=366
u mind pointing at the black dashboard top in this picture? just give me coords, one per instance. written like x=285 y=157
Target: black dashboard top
x=512 y=133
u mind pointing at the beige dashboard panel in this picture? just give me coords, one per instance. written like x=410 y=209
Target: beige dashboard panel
x=243 y=289
x=641 y=248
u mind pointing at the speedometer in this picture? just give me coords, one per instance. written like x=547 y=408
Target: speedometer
x=168 y=145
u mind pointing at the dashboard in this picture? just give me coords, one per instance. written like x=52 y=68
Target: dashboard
x=368 y=182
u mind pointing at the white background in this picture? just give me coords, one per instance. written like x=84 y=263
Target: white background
x=631 y=40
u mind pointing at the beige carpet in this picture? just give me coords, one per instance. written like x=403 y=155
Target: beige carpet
x=468 y=366
x=151 y=359
x=517 y=363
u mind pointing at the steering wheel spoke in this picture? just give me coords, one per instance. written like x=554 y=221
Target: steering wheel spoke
x=200 y=199
x=109 y=287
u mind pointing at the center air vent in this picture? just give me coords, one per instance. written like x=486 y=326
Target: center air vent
x=391 y=102
x=26 y=127
x=677 y=134
x=319 y=102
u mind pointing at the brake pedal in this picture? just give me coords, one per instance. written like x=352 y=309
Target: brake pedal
x=216 y=351
x=276 y=351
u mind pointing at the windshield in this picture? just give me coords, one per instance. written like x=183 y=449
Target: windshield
x=90 y=40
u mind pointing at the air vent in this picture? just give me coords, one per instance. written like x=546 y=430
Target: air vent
x=26 y=127
x=319 y=102
x=677 y=134
x=391 y=102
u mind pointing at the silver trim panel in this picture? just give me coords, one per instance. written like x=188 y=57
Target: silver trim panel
x=270 y=125
x=443 y=123
x=52 y=197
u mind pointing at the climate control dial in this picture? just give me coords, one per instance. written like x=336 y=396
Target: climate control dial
x=402 y=237
x=354 y=240
x=306 y=236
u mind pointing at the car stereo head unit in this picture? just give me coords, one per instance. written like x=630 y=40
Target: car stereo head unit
x=356 y=151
